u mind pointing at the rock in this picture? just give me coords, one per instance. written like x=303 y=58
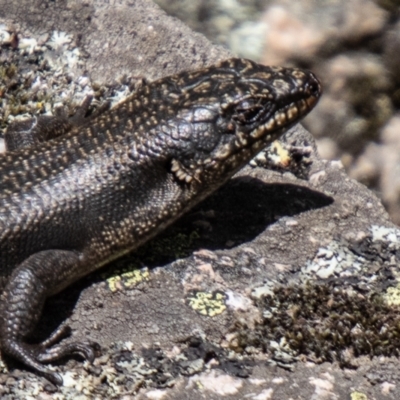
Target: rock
x=271 y=288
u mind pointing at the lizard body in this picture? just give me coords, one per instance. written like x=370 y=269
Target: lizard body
x=73 y=202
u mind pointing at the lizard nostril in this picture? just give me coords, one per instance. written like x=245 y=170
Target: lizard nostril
x=313 y=86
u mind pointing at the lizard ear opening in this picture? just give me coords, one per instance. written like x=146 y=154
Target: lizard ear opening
x=246 y=113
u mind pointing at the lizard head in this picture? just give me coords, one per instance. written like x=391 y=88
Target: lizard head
x=226 y=114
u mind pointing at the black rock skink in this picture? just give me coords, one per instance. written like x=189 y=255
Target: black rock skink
x=70 y=203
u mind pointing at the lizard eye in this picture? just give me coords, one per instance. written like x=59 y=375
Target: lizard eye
x=247 y=112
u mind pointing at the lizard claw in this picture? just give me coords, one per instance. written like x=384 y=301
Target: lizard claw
x=88 y=351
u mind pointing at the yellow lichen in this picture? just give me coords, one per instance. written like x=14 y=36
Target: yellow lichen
x=392 y=296
x=128 y=279
x=210 y=304
x=358 y=396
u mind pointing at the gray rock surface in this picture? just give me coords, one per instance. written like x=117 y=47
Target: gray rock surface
x=273 y=288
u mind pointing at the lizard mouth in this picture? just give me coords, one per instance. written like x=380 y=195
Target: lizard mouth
x=290 y=111
x=284 y=117
x=278 y=122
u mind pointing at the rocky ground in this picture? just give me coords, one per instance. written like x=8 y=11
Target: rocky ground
x=274 y=288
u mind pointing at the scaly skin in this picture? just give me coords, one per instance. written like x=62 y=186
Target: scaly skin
x=73 y=203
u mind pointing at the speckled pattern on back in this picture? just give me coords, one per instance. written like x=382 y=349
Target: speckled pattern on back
x=74 y=203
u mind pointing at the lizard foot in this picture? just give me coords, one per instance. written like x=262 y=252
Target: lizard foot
x=36 y=355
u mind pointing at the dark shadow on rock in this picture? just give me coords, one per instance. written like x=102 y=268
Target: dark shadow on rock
x=236 y=214
x=246 y=206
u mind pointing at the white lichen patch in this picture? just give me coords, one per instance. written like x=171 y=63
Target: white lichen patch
x=48 y=71
x=59 y=40
x=70 y=379
x=156 y=394
x=385 y=234
x=237 y=301
x=323 y=388
x=120 y=95
x=61 y=54
x=3 y=367
x=216 y=382
x=27 y=45
x=342 y=260
x=282 y=354
x=265 y=394
x=262 y=291
x=5 y=36
x=334 y=260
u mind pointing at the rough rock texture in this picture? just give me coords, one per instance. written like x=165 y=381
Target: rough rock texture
x=118 y=37
x=273 y=288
